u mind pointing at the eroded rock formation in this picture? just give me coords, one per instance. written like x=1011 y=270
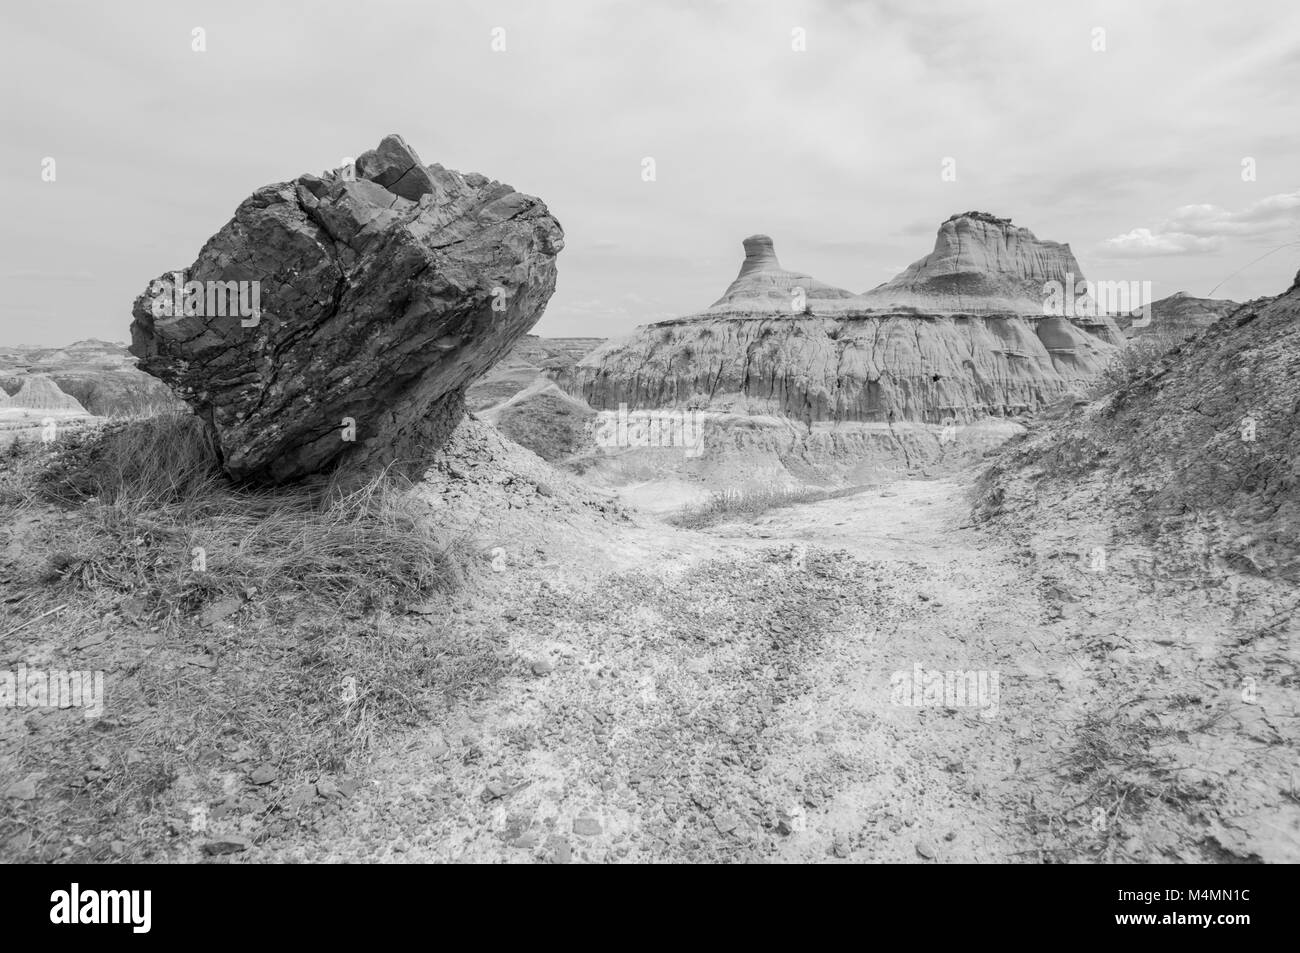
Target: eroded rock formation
x=102 y=376
x=763 y=285
x=980 y=263
x=380 y=297
x=904 y=352
x=39 y=393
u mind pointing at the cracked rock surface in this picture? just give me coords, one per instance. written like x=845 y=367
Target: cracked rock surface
x=382 y=296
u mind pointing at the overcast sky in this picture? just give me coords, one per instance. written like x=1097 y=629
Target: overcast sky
x=1132 y=154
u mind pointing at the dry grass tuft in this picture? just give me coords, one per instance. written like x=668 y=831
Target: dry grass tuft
x=727 y=505
x=236 y=628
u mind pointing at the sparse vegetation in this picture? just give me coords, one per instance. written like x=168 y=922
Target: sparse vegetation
x=1137 y=359
x=236 y=628
x=746 y=504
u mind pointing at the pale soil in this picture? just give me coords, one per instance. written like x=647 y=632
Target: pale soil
x=671 y=695
x=722 y=696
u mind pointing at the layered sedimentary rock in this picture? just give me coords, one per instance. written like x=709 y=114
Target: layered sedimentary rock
x=979 y=263
x=851 y=368
x=763 y=285
x=380 y=297
x=905 y=352
x=38 y=393
x=101 y=375
x=1179 y=317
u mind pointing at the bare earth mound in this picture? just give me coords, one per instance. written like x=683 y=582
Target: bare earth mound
x=1162 y=526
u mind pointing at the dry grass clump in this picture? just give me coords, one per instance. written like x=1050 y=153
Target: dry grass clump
x=738 y=504
x=238 y=629
x=161 y=521
x=1115 y=775
x=1138 y=358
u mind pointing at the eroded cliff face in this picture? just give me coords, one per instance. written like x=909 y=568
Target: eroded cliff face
x=959 y=336
x=981 y=263
x=864 y=367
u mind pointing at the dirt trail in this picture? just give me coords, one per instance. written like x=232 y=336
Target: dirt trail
x=727 y=696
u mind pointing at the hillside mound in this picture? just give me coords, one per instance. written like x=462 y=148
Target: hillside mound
x=38 y=393
x=1204 y=440
x=528 y=362
x=1162 y=526
x=544 y=419
x=1178 y=317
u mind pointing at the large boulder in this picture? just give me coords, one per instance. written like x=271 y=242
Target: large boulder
x=380 y=296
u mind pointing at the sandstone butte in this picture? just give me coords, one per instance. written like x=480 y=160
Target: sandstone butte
x=958 y=336
x=383 y=295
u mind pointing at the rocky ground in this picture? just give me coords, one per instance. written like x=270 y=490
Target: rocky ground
x=727 y=696
x=613 y=689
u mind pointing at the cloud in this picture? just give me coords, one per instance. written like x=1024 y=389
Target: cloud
x=1142 y=242
x=1195 y=229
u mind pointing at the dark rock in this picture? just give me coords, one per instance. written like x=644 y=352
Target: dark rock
x=232 y=844
x=379 y=301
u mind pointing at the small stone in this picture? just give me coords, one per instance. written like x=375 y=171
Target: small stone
x=841 y=847
x=925 y=849
x=587 y=826
x=726 y=823
x=233 y=844
x=327 y=788
x=25 y=789
x=791 y=819
x=220 y=610
x=542 y=667
x=264 y=774
x=527 y=840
